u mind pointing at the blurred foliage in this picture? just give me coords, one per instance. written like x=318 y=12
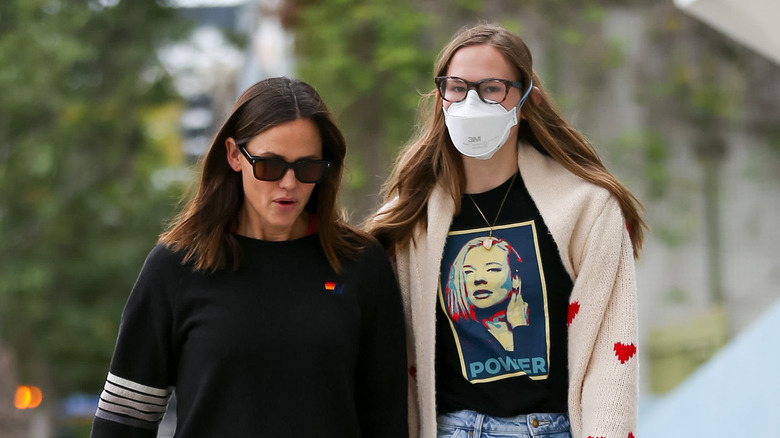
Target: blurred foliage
x=366 y=59
x=649 y=152
x=78 y=207
x=699 y=64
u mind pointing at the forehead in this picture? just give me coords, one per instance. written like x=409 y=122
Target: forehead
x=479 y=62
x=291 y=140
x=479 y=255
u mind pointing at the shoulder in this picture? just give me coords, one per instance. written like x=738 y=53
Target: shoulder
x=371 y=276
x=158 y=281
x=557 y=191
x=569 y=205
x=163 y=255
x=371 y=251
x=540 y=169
x=163 y=262
x=369 y=259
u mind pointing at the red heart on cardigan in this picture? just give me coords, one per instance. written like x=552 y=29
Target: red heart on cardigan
x=413 y=372
x=624 y=352
x=630 y=435
x=574 y=308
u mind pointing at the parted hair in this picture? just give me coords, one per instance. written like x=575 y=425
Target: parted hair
x=204 y=228
x=430 y=156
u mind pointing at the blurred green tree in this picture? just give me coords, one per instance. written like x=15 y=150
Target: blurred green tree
x=83 y=153
x=366 y=59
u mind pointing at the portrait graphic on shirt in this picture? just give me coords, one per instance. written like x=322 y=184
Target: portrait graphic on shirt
x=493 y=293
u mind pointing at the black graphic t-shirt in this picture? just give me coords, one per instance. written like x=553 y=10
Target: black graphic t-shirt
x=502 y=306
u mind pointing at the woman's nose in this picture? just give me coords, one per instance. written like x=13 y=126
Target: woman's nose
x=288 y=181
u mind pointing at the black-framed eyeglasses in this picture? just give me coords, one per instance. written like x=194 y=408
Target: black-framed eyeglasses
x=273 y=169
x=490 y=90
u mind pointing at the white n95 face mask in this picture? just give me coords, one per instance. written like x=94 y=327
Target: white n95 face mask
x=479 y=129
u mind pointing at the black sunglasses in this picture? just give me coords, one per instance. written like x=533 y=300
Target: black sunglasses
x=273 y=169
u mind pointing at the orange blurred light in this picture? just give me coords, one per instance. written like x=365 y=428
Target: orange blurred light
x=36 y=397
x=23 y=397
x=28 y=397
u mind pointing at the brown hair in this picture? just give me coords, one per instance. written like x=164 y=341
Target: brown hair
x=203 y=229
x=431 y=157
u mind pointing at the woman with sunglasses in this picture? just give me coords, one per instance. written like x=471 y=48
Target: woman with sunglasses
x=266 y=312
x=496 y=162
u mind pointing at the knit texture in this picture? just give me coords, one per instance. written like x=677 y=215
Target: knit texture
x=282 y=347
x=587 y=225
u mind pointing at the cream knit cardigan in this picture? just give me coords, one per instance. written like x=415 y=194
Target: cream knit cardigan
x=588 y=227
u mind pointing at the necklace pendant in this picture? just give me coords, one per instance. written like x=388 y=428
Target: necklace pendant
x=487 y=243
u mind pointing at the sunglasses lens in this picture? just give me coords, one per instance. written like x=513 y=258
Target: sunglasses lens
x=270 y=169
x=274 y=169
x=310 y=171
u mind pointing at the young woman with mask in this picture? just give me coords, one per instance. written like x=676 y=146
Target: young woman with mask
x=496 y=162
x=266 y=312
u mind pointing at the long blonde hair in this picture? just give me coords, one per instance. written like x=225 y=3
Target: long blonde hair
x=431 y=157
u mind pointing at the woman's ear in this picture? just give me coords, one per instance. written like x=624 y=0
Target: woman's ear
x=233 y=154
x=536 y=96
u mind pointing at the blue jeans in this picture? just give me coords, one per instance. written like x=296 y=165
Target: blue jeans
x=469 y=424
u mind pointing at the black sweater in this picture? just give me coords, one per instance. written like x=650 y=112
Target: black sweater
x=282 y=347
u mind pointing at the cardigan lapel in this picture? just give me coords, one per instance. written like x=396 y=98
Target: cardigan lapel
x=425 y=260
x=441 y=209
x=550 y=186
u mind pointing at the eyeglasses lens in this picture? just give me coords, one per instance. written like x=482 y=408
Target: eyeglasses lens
x=455 y=90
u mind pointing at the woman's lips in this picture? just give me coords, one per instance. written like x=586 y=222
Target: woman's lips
x=285 y=202
x=482 y=294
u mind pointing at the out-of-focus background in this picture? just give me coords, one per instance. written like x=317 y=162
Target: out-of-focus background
x=106 y=106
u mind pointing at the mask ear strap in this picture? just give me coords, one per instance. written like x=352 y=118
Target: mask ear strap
x=525 y=96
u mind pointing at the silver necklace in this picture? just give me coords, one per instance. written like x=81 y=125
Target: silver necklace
x=488 y=242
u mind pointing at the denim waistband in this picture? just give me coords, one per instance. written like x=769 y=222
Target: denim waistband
x=542 y=424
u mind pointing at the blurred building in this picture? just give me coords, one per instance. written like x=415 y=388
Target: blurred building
x=270 y=49
x=210 y=71
x=709 y=267
x=751 y=22
x=698 y=381
x=205 y=68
